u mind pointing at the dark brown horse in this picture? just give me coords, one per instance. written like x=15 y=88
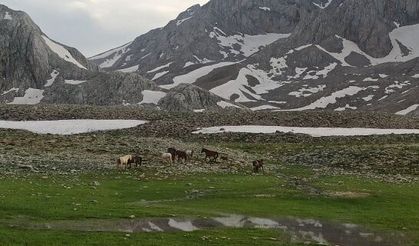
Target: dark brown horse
x=210 y=155
x=173 y=152
x=181 y=155
x=135 y=159
x=258 y=165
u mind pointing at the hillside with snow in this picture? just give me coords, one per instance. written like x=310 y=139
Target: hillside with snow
x=286 y=55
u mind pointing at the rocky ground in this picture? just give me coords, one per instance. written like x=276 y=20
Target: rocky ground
x=391 y=158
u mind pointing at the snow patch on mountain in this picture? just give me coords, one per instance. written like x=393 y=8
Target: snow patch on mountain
x=347 y=106
x=224 y=104
x=160 y=68
x=32 y=96
x=249 y=44
x=323 y=5
x=406 y=35
x=10 y=90
x=62 y=52
x=408 y=110
x=188 y=64
x=263 y=107
x=159 y=75
x=106 y=54
x=323 y=73
x=306 y=92
x=69 y=127
x=112 y=56
x=265 y=8
x=312 y=131
x=7 y=16
x=51 y=81
x=74 y=82
x=240 y=86
x=180 y=22
x=193 y=76
x=129 y=69
x=331 y=99
x=152 y=97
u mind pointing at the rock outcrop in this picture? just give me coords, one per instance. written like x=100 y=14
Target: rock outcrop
x=186 y=97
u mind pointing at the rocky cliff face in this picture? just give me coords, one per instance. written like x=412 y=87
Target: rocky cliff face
x=286 y=54
x=35 y=69
x=186 y=97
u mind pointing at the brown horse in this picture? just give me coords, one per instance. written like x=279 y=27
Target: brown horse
x=173 y=152
x=181 y=155
x=258 y=165
x=210 y=155
x=135 y=159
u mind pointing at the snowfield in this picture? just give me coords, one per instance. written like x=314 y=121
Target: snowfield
x=112 y=56
x=193 y=76
x=51 y=81
x=312 y=131
x=152 y=97
x=74 y=82
x=32 y=96
x=249 y=44
x=408 y=110
x=70 y=127
x=62 y=52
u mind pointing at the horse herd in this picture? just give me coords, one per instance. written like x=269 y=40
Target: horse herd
x=172 y=155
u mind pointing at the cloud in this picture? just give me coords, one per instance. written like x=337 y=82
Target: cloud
x=93 y=26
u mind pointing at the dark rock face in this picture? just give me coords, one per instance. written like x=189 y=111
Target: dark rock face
x=30 y=61
x=25 y=58
x=332 y=54
x=102 y=89
x=186 y=97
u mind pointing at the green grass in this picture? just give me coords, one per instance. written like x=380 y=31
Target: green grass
x=388 y=207
x=208 y=237
x=31 y=198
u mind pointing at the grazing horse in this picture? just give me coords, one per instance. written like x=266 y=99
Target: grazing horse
x=181 y=155
x=135 y=159
x=258 y=165
x=173 y=152
x=167 y=157
x=127 y=161
x=209 y=154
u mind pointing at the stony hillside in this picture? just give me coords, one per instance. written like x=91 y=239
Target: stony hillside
x=286 y=54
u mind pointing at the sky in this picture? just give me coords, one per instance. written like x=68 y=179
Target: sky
x=95 y=26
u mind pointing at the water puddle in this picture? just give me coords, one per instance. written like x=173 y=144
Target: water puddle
x=300 y=230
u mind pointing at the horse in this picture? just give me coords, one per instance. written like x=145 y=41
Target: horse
x=181 y=155
x=173 y=152
x=257 y=165
x=167 y=157
x=135 y=159
x=127 y=161
x=210 y=154
x=190 y=153
x=124 y=161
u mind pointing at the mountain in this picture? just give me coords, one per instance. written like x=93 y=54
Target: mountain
x=36 y=69
x=286 y=54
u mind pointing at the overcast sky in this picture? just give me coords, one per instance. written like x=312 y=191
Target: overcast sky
x=94 y=26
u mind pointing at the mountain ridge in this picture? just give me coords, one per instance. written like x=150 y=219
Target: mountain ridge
x=287 y=55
